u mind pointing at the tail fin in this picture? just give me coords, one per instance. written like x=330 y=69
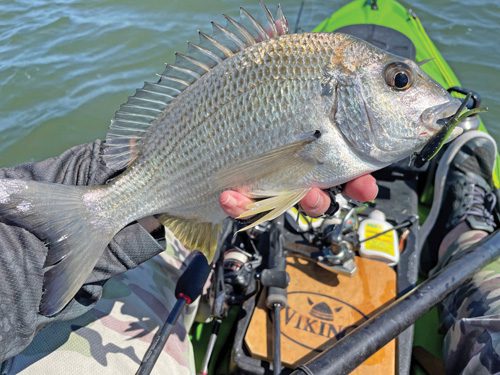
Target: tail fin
x=58 y=215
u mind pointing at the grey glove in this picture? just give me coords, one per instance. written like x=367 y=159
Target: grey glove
x=22 y=254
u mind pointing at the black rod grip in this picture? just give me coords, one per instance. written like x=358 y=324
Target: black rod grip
x=188 y=288
x=191 y=282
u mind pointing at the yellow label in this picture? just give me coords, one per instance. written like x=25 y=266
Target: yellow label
x=383 y=243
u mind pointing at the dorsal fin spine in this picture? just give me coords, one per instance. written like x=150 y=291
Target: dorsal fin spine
x=206 y=52
x=283 y=22
x=159 y=93
x=229 y=35
x=133 y=106
x=244 y=33
x=127 y=129
x=257 y=26
x=193 y=61
x=161 y=86
x=160 y=83
x=175 y=79
x=226 y=51
x=184 y=70
x=117 y=146
x=119 y=112
x=132 y=122
x=148 y=100
x=270 y=19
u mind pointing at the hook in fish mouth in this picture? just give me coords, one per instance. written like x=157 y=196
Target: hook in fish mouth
x=446 y=121
x=448 y=132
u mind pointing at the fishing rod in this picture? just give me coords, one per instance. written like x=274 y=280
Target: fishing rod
x=404 y=224
x=188 y=289
x=276 y=280
x=345 y=355
x=218 y=312
x=299 y=16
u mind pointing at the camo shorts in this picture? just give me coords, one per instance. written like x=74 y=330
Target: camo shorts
x=113 y=337
x=470 y=316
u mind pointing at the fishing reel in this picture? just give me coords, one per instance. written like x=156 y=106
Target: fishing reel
x=239 y=268
x=336 y=253
x=332 y=241
x=234 y=274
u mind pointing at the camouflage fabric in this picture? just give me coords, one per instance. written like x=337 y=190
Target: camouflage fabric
x=471 y=316
x=113 y=337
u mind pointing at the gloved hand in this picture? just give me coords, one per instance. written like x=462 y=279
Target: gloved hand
x=22 y=254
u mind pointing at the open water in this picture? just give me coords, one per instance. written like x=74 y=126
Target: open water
x=66 y=65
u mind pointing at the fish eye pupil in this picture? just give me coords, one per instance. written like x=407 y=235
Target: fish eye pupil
x=401 y=80
x=398 y=75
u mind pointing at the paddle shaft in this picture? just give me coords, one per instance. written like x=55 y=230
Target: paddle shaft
x=346 y=354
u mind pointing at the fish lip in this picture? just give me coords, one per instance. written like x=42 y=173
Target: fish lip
x=434 y=118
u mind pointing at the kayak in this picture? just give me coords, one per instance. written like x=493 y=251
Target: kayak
x=392 y=26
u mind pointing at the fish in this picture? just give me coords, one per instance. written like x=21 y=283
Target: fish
x=250 y=107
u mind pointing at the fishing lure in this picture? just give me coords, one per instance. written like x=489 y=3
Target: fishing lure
x=434 y=145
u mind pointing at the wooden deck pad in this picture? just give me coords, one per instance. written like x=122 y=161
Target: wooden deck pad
x=323 y=307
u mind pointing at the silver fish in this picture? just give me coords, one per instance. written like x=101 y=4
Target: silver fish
x=250 y=108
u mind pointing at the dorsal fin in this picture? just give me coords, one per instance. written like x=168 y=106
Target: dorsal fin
x=132 y=120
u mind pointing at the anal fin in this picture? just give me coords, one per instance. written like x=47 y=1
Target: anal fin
x=194 y=235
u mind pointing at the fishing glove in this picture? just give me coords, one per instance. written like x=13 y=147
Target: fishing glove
x=22 y=254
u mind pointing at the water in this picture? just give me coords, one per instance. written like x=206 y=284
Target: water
x=66 y=65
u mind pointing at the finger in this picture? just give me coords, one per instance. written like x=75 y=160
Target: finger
x=233 y=203
x=315 y=203
x=363 y=188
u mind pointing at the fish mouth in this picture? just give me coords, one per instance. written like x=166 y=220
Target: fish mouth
x=448 y=131
x=434 y=118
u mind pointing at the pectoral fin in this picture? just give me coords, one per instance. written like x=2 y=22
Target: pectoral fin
x=276 y=205
x=285 y=158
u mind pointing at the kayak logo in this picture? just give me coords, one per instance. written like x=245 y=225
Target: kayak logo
x=311 y=319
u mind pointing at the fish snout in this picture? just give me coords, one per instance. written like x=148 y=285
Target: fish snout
x=432 y=118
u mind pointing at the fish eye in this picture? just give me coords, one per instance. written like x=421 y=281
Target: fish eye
x=398 y=75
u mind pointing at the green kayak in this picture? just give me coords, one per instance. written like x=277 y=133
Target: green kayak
x=392 y=26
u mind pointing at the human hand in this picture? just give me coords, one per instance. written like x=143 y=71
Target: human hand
x=314 y=204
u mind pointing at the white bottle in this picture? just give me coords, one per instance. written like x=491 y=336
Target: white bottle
x=384 y=247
